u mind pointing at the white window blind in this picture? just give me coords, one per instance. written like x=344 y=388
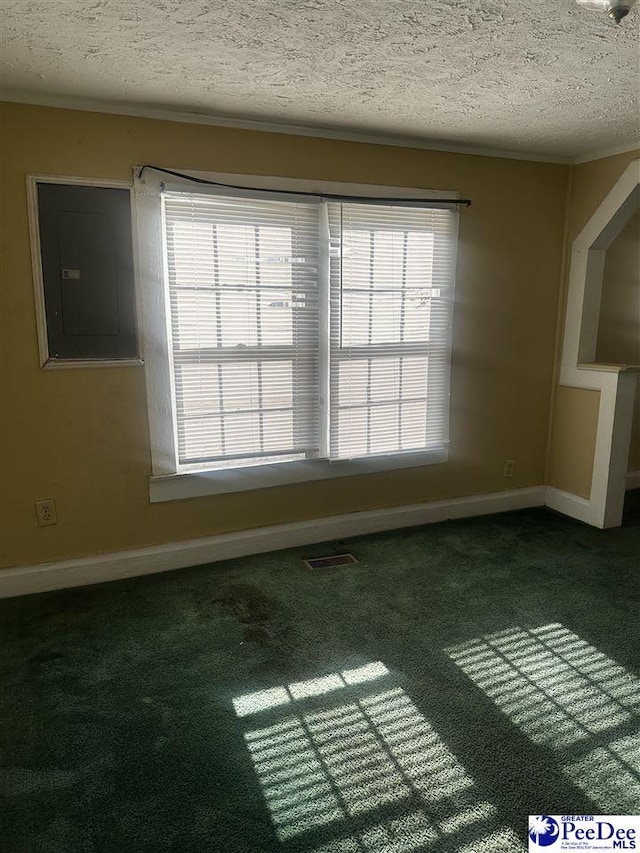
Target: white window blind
x=306 y=329
x=242 y=278
x=392 y=279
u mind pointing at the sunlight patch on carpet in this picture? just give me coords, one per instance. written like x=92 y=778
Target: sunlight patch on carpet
x=568 y=696
x=335 y=760
x=253 y=703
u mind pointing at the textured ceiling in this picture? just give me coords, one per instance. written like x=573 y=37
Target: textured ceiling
x=535 y=76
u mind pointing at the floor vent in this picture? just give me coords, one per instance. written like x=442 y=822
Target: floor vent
x=330 y=562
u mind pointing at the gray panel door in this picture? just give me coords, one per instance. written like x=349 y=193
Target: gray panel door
x=87 y=262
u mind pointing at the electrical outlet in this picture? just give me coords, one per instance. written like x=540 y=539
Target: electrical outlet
x=46 y=512
x=509 y=468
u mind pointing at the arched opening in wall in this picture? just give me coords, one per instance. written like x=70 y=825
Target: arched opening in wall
x=618 y=340
x=591 y=364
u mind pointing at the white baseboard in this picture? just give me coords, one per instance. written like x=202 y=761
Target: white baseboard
x=578 y=507
x=23 y=580
x=569 y=504
x=633 y=480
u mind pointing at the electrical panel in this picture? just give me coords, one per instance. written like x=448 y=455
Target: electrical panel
x=87 y=270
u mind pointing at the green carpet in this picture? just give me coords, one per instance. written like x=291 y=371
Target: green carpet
x=459 y=678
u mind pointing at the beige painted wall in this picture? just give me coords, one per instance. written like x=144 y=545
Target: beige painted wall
x=571 y=469
x=589 y=185
x=619 y=329
x=81 y=436
x=575 y=421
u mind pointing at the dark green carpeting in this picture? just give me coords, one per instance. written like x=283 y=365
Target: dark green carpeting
x=459 y=678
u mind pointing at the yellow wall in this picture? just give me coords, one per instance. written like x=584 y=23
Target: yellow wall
x=575 y=421
x=590 y=184
x=619 y=328
x=571 y=468
x=81 y=436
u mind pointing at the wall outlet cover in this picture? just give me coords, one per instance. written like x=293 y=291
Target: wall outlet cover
x=46 y=512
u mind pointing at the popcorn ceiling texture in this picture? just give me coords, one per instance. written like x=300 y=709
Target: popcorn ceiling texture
x=539 y=76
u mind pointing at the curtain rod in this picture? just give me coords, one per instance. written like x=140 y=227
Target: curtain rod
x=353 y=198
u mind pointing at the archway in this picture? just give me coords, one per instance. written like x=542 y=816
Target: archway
x=616 y=383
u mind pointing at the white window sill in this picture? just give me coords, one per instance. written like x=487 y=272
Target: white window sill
x=171 y=487
x=71 y=363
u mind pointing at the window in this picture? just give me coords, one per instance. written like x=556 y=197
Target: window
x=305 y=338
x=243 y=287
x=391 y=292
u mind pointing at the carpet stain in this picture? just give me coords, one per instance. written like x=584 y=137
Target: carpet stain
x=257 y=613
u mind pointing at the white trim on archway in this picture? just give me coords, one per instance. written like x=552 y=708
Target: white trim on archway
x=615 y=382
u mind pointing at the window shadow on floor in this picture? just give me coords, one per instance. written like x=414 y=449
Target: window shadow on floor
x=346 y=762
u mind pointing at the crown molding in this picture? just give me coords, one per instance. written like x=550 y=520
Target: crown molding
x=608 y=152
x=371 y=138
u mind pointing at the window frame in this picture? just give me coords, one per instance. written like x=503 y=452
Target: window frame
x=302 y=351
x=351 y=353
x=167 y=482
